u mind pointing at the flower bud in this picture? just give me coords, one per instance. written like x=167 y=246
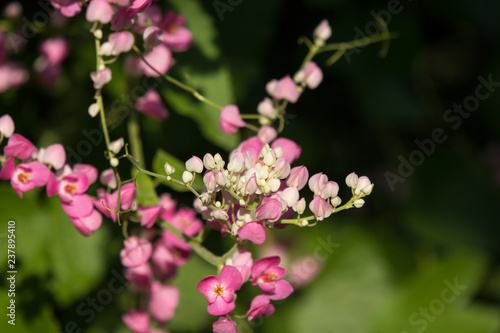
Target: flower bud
x=311 y=76
x=320 y=208
x=317 y=182
x=270 y=158
x=364 y=186
x=107 y=178
x=209 y=181
x=220 y=178
x=323 y=31
x=270 y=210
x=194 y=164
x=274 y=184
x=219 y=162
x=208 y=161
x=264 y=150
x=187 y=176
x=330 y=190
x=267 y=134
x=169 y=169
x=136 y=252
x=298 y=177
x=266 y=108
x=101 y=77
x=99 y=11
x=352 y=180
x=235 y=164
x=220 y=214
x=358 y=203
x=116 y=146
x=300 y=206
x=251 y=185
x=336 y=201
x=282 y=168
x=6 y=126
x=290 y=195
x=118 y=42
x=94 y=110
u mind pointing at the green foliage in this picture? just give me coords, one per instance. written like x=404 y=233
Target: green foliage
x=145 y=189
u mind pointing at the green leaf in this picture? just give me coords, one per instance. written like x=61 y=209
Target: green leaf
x=159 y=160
x=201 y=25
x=215 y=85
x=146 y=193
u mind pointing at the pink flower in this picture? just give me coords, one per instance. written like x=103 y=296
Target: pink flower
x=100 y=78
x=12 y=75
x=152 y=105
x=149 y=215
x=111 y=200
x=99 y=11
x=140 y=275
x=320 y=208
x=136 y=252
x=230 y=119
x=220 y=292
x=163 y=301
x=291 y=150
x=311 y=76
x=169 y=253
x=87 y=224
x=108 y=178
x=267 y=275
x=185 y=220
x=6 y=126
x=20 y=147
x=175 y=35
x=267 y=134
x=317 y=182
x=137 y=321
x=323 y=31
x=242 y=260
x=68 y=8
x=260 y=307
x=72 y=185
x=160 y=58
x=55 y=50
x=118 y=42
x=254 y=232
x=269 y=209
x=54 y=155
x=298 y=177
x=138 y=6
x=25 y=176
x=88 y=170
x=285 y=88
x=224 y=325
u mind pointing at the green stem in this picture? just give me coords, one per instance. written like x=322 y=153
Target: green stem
x=179 y=84
x=135 y=139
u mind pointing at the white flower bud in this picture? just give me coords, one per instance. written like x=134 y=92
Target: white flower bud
x=169 y=169
x=94 y=109
x=300 y=206
x=304 y=223
x=264 y=150
x=270 y=158
x=187 y=176
x=194 y=164
x=364 y=186
x=336 y=201
x=114 y=162
x=220 y=214
x=219 y=162
x=274 y=184
x=235 y=164
x=208 y=161
x=116 y=146
x=290 y=195
x=358 y=203
x=352 y=180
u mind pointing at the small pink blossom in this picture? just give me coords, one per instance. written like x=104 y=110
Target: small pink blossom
x=266 y=106
x=99 y=11
x=242 y=260
x=317 y=182
x=118 y=42
x=269 y=210
x=286 y=89
x=175 y=35
x=136 y=252
x=137 y=321
x=320 y=208
x=54 y=155
x=55 y=50
x=220 y=292
x=100 y=78
x=267 y=275
x=224 y=325
x=254 y=232
x=260 y=307
x=140 y=275
x=6 y=126
x=138 y=6
x=110 y=200
x=20 y=147
x=298 y=177
x=230 y=119
x=323 y=31
x=169 y=253
x=68 y=8
x=267 y=134
x=160 y=58
x=163 y=301
x=185 y=220
x=86 y=225
x=311 y=76
x=152 y=105
x=149 y=214
x=291 y=150
x=89 y=170
x=12 y=75
x=108 y=178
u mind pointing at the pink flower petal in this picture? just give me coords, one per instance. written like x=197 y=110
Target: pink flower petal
x=81 y=206
x=88 y=224
x=254 y=232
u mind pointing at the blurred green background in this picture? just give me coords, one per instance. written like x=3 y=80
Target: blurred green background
x=422 y=255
